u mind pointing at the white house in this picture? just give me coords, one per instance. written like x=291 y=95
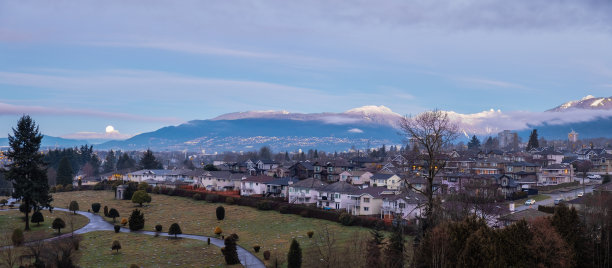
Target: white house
x=368 y=201
x=305 y=191
x=336 y=195
x=254 y=185
x=408 y=205
x=357 y=178
x=158 y=175
x=391 y=181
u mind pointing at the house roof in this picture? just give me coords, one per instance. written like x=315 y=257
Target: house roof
x=340 y=187
x=161 y=172
x=410 y=197
x=381 y=176
x=521 y=164
x=260 y=178
x=283 y=181
x=527 y=214
x=376 y=192
x=310 y=183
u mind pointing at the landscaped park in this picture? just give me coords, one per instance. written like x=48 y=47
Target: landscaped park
x=270 y=230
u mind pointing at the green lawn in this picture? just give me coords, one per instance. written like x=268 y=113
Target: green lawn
x=537 y=198
x=147 y=251
x=12 y=219
x=269 y=229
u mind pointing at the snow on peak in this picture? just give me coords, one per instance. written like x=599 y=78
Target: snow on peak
x=587 y=97
x=372 y=109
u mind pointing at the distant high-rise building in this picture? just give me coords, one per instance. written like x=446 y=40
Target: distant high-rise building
x=505 y=138
x=572 y=136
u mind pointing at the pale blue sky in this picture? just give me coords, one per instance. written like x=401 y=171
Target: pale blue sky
x=78 y=66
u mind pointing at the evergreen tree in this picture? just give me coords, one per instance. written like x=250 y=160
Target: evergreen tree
x=287 y=156
x=394 y=253
x=489 y=144
x=109 y=162
x=175 y=230
x=373 y=249
x=567 y=223
x=64 y=172
x=229 y=251
x=148 y=161
x=533 y=140
x=316 y=154
x=37 y=218
x=383 y=151
x=136 y=221
x=27 y=168
x=474 y=143
x=294 y=257
x=125 y=161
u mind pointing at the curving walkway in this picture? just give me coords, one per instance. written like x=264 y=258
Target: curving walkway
x=97 y=223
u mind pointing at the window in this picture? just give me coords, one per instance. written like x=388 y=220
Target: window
x=337 y=195
x=402 y=205
x=307 y=191
x=366 y=208
x=366 y=200
x=317 y=168
x=330 y=169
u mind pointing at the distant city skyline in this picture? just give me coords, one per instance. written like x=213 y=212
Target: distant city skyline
x=78 y=68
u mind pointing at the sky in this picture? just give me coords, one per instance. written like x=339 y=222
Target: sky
x=78 y=67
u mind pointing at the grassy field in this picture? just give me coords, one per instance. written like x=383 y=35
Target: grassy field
x=147 y=251
x=269 y=229
x=537 y=198
x=12 y=219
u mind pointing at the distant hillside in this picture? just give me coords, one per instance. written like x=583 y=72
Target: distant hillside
x=588 y=103
x=252 y=133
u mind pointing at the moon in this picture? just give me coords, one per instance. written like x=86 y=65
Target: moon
x=110 y=129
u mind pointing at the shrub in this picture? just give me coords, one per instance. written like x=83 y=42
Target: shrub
x=68 y=188
x=266 y=255
x=117 y=228
x=58 y=224
x=134 y=266
x=211 y=198
x=304 y=213
x=230 y=200
x=234 y=236
x=156 y=190
x=105 y=211
x=140 y=197
x=546 y=209
x=116 y=246
x=283 y=209
x=52 y=189
x=256 y=248
x=294 y=257
x=137 y=220
x=208 y=241
x=310 y=234
x=264 y=205
x=37 y=218
x=59 y=188
x=113 y=213
x=220 y=213
x=158 y=228
x=170 y=192
x=197 y=196
x=605 y=179
x=518 y=195
x=3 y=202
x=74 y=206
x=95 y=207
x=17 y=237
x=218 y=230
x=143 y=186
x=175 y=230
x=229 y=251
x=98 y=187
x=346 y=219
x=124 y=221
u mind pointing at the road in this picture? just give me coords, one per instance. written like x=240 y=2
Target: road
x=569 y=195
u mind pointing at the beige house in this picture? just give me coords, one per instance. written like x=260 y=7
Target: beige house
x=368 y=201
x=356 y=178
x=391 y=181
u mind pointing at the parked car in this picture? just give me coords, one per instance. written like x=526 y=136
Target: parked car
x=529 y=202
x=559 y=201
x=580 y=194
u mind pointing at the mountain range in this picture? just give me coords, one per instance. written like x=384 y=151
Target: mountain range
x=360 y=127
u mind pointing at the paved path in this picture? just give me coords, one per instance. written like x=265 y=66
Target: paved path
x=97 y=223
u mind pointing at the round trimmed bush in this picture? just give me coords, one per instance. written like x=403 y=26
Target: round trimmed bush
x=124 y=221
x=211 y=198
x=17 y=237
x=266 y=255
x=256 y=248
x=137 y=220
x=117 y=228
x=37 y=218
x=220 y=213
x=95 y=207
x=58 y=224
x=175 y=230
x=218 y=230
x=158 y=228
x=346 y=219
x=197 y=196
x=310 y=234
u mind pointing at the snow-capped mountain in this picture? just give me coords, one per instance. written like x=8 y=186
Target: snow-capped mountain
x=587 y=103
x=365 y=114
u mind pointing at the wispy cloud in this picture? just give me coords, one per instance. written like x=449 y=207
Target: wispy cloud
x=10 y=109
x=355 y=130
x=480 y=82
x=115 y=135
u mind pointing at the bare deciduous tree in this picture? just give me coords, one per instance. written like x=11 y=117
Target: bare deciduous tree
x=432 y=131
x=9 y=254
